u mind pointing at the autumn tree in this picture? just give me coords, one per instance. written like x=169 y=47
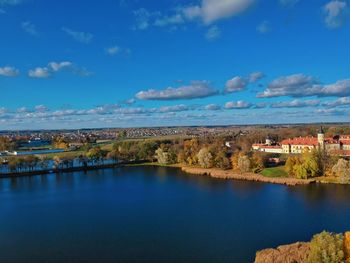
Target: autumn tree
x=234 y=161
x=60 y=143
x=244 y=164
x=221 y=161
x=305 y=166
x=291 y=163
x=165 y=155
x=191 y=148
x=258 y=162
x=326 y=247
x=96 y=154
x=342 y=170
x=5 y=144
x=205 y=158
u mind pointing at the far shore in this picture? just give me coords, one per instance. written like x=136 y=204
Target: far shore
x=212 y=172
x=229 y=174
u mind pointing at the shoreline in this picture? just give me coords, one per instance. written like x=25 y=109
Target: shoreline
x=230 y=175
x=211 y=172
x=66 y=170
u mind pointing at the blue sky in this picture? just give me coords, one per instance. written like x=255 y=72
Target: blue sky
x=126 y=63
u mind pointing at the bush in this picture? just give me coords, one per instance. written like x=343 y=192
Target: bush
x=342 y=170
x=326 y=247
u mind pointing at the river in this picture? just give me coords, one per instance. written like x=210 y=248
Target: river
x=157 y=214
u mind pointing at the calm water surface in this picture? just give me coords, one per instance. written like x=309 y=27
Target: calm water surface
x=145 y=214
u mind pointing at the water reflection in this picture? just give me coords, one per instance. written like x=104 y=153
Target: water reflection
x=319 y=193
x=158 y=214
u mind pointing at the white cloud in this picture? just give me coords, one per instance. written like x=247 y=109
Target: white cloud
x=192 y=12
x=239 y=83
x=344 y=101
x=296 y=104
x=294 y=85
x=340 y=88
x=30 y=28
x=212 y=107
x=57 y=66
x=300 y=85
x=176 y=108
x=256 y=76
x=197 y=89
x=169 y=20
x=39 y=72
x=129 y=101
x=116 y=50
x=238 y=105
x=112 y=51
x=142 y=18
x=336 y=13
x=41 y=108
x=332 y=112
x=9 y=71
x=82 y=37
x=207 y=11
x=210 y=11
x=213 y=33
x=3 y=111
x=23 y=110
x=260 y=105
x=264 y=27
x=236 y=84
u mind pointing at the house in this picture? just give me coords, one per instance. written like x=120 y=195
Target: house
x=337 y=145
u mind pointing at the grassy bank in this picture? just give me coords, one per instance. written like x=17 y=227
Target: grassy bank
x=274 y=172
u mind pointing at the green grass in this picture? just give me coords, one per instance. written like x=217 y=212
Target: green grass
x=274 y=172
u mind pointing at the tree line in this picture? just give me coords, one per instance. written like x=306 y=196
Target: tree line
x=205 y=152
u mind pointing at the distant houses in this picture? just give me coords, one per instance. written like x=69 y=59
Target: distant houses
x=338 y=145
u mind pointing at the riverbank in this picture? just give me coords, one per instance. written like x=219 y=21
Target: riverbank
x=229 y=174
x=212 y=172
x=300 y=252
x=66 y=170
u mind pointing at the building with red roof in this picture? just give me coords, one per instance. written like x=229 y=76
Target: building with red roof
x=339 y=144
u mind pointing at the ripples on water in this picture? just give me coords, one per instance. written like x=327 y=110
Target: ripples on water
x=145 y=214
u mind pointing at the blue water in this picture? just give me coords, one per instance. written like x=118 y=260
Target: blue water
x=145 y=214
